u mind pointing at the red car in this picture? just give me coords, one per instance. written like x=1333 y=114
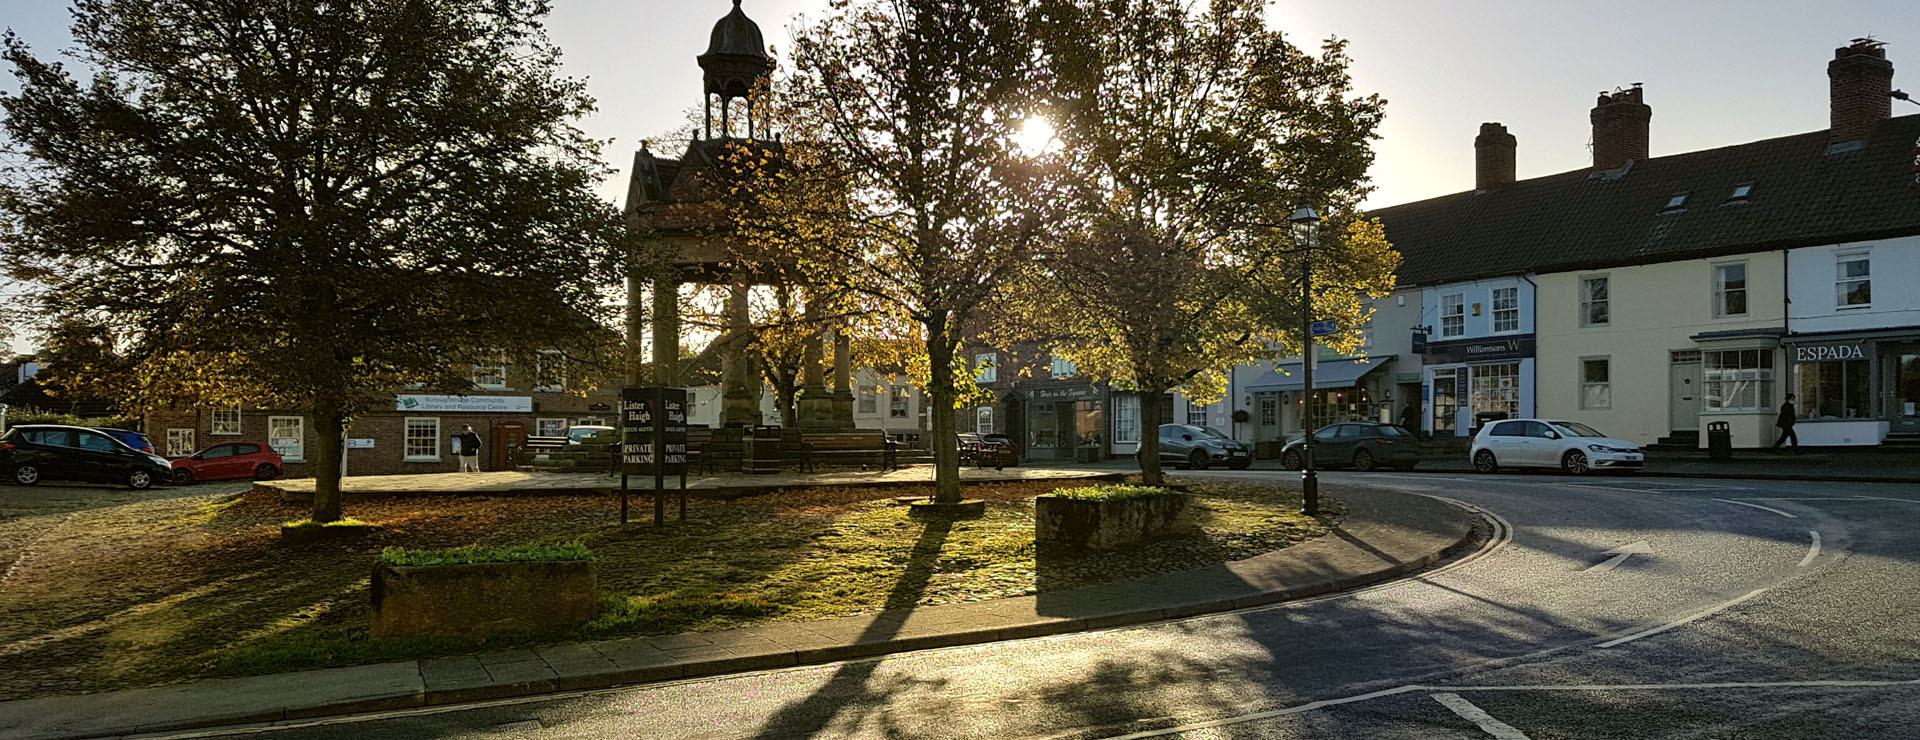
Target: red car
x=229 y=460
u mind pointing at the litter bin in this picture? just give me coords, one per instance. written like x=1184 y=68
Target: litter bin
x=1719 y=440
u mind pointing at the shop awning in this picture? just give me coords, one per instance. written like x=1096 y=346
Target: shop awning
x=1326 y=374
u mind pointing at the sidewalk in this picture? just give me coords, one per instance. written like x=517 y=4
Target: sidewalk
x=1384 y=535
x=1853 y=467
x=726 y=484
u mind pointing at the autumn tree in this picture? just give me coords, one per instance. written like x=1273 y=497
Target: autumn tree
x=902 y=184
x=309 y=205
x=1191 y=131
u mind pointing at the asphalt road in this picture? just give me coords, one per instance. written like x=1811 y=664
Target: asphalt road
x=1723 y=620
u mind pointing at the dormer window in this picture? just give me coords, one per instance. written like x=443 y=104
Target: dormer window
x=1740 y=193
x=1676 y=203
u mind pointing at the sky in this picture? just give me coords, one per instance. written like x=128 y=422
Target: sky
x=1717 y=72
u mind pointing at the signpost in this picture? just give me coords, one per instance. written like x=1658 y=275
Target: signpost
x=1325 y=328
x=653 y=441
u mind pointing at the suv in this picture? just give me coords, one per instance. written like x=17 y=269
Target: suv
x=1540 y=443
x=1190 y=447
x=31 y=453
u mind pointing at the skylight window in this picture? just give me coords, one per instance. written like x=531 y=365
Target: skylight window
x=1677 y=202
x=1741 y=192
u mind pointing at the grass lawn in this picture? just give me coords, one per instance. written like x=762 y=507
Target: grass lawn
x=163 y=591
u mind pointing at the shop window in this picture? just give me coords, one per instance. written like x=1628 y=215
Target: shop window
x=1730 y=289
x=1834 y=390
x=549 y=427
x=1853 y=286
x=983 y=420
x=287 y=436
x=225 y=422
x=869 y=399
x=1453 y=315
x=1738 y=380
x=422 y=441
x=1126 y=419
x=1596 y=384
x=1496 y=389
x=897 y=405
x=1446 y=399
x=1596 y=302
x=179 y=442
x=1506 y=309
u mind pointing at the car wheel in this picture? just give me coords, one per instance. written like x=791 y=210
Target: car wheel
x=1483 y=462
x=1197 y=460
x=1290 y=460
x=26 y=475
x=265 y=472
x=139 y=480
x=1363 y=461
x=183 y=477
x=1575 y=462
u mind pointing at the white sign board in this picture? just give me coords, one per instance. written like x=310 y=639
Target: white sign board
x=360 y=443
x=465 y=404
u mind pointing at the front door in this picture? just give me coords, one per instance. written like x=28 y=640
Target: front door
x=1906 y=389
x=1684 y=404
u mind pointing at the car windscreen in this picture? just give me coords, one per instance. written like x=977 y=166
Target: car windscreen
x=1205 y=432
x=1576 y=429
x=1389 y=430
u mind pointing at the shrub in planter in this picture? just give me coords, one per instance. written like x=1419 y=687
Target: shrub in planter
x=1106 y=517
x=475 y=592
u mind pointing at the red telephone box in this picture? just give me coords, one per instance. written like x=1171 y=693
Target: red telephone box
x=507 y=436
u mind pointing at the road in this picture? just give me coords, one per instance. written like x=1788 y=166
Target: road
x=1599 y=608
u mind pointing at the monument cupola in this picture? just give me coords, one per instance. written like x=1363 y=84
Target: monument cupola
x=736 y=63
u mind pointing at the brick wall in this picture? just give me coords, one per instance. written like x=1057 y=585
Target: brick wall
x=1860 y=80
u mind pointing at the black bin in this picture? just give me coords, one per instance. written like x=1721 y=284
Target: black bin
x=1719 y=440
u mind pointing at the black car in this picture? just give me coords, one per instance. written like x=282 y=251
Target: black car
x=1190 y=447
x=1358 y=445
x=31 y=453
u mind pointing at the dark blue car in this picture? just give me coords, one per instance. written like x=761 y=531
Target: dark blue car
x=129 y=438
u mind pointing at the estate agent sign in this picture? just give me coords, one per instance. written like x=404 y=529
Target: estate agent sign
x=653 y=425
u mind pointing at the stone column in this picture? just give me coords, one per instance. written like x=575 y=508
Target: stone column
x=666 y=328
x=635 y=364
x=739 y=375
x=842 y=379
x=816 y=401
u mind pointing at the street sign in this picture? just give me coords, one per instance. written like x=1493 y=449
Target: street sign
x=653 y=441
x=1325 y=328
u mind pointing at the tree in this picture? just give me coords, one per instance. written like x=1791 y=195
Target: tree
x=309 y=205
x=902 y=184
x=1191 y=131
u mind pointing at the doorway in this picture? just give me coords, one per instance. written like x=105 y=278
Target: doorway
x=1905 y=412
x=1683 y=404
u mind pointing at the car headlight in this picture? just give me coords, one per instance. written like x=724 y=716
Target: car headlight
x=1604 y=448
x=160 y=461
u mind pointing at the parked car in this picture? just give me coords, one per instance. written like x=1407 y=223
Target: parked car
x=1358 y=445
x=1540 y=443
x=582 y=435
x=130 y=438
x=1190 y=447
x=229 y=460
x=987 y=450
x=31 y=453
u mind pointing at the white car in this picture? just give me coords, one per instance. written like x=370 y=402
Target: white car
x=1540 y=443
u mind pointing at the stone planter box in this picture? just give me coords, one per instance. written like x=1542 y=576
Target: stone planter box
x=1107 y=524
x=483 y=599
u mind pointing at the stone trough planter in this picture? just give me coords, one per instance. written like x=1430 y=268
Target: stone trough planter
x=1105 y=524
x=481 y=599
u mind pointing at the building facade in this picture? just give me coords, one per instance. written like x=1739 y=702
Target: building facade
x=1853 y=352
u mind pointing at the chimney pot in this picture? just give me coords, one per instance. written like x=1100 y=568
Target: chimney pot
x=1493 y=158
x=1620 y=128
x=1860 y=80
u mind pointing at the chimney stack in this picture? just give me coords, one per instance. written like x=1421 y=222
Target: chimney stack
x=1861 y=82
x=1493 y=166
x=1620 y=121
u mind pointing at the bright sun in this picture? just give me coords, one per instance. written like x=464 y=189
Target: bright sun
x=1037 y=136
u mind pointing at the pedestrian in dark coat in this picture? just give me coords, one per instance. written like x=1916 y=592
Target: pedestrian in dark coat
x=1788 y=415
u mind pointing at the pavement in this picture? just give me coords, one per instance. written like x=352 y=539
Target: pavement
x=1869 y=467
x=1615 y=607
x=500 y=483
x=1384 y=535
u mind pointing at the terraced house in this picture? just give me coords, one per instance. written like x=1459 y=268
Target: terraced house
x=1653 y=296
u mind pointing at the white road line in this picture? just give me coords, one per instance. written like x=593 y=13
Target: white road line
x=1813 y=548
x=1802 y=498
x=1486 y=722
x=1756 y=506
x=1683 y=620
x=1883 y=498
x=1269 y=714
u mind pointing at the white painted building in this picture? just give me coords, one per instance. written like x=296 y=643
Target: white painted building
x=1853 y=342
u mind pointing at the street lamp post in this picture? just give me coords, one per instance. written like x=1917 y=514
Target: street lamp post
x=1306 y=229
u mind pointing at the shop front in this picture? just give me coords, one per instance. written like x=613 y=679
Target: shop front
x=1061 y=423
x=1470 y=382
x=1347 y=389
x=1856 y=389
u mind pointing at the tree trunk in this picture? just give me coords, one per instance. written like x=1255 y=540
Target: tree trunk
x=946 y=453
x=330 y=423
x=1150 y=473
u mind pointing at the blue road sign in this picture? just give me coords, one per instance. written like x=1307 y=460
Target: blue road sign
x=1325 y=328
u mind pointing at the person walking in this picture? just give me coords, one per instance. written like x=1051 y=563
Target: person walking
x=469 y=449
x=1788 y=414
x=1410 y=417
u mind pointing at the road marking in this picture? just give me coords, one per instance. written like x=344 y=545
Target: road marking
x=1801 y=498
x=1620 y=555
x=1813 y=549
x=1683 y=620
x=1883 y=498
x=1486 y=722
x=1756 y=506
